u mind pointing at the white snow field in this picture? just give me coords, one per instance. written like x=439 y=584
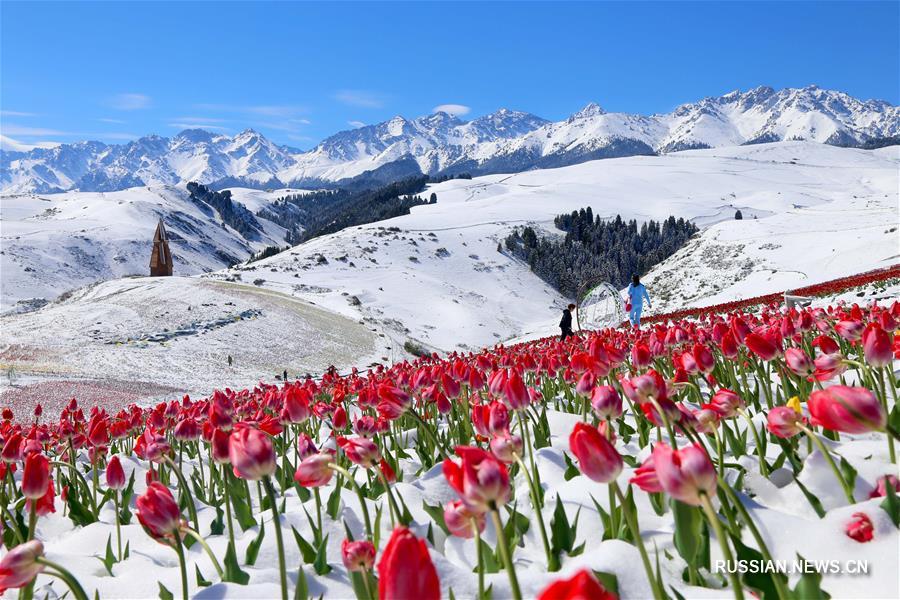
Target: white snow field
x=436 y=277
x=166 y=335
x=53 y=243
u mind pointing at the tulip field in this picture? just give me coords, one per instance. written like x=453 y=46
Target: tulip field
x=735 y=455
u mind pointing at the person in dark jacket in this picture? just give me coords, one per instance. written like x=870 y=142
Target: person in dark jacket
x=565 y=324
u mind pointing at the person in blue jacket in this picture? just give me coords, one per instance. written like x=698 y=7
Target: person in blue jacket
x=636 y=295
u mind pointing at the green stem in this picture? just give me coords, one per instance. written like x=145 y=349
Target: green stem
x=360 y=495
x=227 y=493
x=61 y=572
x=504 y=552
x=480 y=559
x=208 y=550
x=118 y=526
x=760 y=451
x=180 y=551
x=182 y=484
x=713 y=519
x=273 y=500
x=552 y=561
x=392 y=504
x=84 y=482
x=638 y=541
x=848 y=492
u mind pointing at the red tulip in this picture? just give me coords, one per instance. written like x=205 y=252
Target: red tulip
x=314 y=470
x=685 y=474
x=606 y=402
x=784 y=421
x=357 y=556
x=19 y=566
x=507 y=447
x=360 y=450
x=847 y=409
x=860 y=528
x=598 y=460
x=296 y=403
x=498 y=418
x=115 y=474
x=12 y=449
x=882 y=483
x=582 y=586
x=220 y=444
x=460 y=519
x=44 y=505
x=305 y=446
x=829 y=366
x=187 y=430
x=877 y=346
x=798 y=362
x=158 y=512
x=405 y=570
x=763 y=345
x=514 y=391
x=849 y=330
x=251 y=454
x=725 y=403
x=35 y=476
x=480 y=480
x=640 y=355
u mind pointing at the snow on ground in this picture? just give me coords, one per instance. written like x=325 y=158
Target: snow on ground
x=143 y=338
x=436 y=277
x=52 y=243
x=778 y=507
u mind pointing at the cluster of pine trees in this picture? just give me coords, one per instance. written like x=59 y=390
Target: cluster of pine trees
x=312 y=214
x=595 y=250
x=234 y=214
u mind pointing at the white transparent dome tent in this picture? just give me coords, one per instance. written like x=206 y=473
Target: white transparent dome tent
x=601 y=306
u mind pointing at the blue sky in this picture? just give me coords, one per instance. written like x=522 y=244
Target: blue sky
x=299 y=72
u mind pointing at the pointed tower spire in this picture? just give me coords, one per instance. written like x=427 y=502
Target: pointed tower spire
x=161 y=257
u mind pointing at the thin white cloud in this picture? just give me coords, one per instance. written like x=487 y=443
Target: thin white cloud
x=189 y=125
x=356 y=123
x=112 y=136
x=114 y=121
x=300 y=138
x=13 y=129
x=16 y=113
x=360 y=98
x=9 y=144
x=457 y=110
x=209 y=120
x=280 y=111
x=130 y=101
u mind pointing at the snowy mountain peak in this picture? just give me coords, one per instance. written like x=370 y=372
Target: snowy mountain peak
x=505 y=141
x=592 y=109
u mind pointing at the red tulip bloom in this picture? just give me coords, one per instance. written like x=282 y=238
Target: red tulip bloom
x=606 y=402
x=315 y=470
x=784 y=421
x=44 y=505
x=220 y=444
x=405 y=570
x=36 y=476
x=115 y=474
x=881 y=485
x=763 y=345
x=849 y=330
x=305 y=446
x=296 y=403
x=847 y=409
x=358 y=556
x=640 y=355
x=798 y=362
x=187 y=430
x=826 y=344
x=877 y=346
x=829 y=366
x=360 y=450
x=860 y=528
x=507 y=447
x=462 y=520
x=158 y=512
x=251 y=454
x=498 y=418
x=598 y=460
x=515 y=391
x=19 y=566
x=582 y=586
x=480 y=479
x=12 y=449
x=685 y=474
x=725 y=403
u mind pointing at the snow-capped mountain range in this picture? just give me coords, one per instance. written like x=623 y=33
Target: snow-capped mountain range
x=501 y=142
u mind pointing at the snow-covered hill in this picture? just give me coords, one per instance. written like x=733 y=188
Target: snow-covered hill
x=502 y=142
x=52 y=243
x=436 y=276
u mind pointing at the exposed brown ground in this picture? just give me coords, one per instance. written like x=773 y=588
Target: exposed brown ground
x=54 y=395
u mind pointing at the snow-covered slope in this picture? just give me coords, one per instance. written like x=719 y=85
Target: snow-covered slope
x=155 y=336
x=436 y=276
x=52 y=243
x=502 y=142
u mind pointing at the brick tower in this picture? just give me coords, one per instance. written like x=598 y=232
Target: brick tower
x=161 y=258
